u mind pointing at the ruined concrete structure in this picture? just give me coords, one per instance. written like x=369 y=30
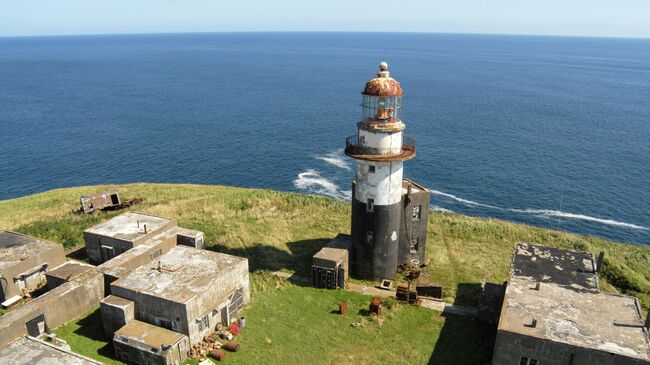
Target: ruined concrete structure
x=389 y=213
x=107 y=199
x=159 y=290
x=58 y=306
x=24 y=260
x=554 y=313
x=29 y=351
x=159 y=279
x=187 y=290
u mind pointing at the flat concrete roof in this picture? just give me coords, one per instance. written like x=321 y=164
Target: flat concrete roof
x=128 y=226
x=29 y=351
x=567 y=268
x=149 y=335
x=331 y=254
x=69 y=270
x=570 y=310
x=116 y=301
x=415 y=187
x=184 y=272
x=16 y=247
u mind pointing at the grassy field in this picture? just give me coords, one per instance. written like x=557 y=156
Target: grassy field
x=290 y=324
x=281 y=231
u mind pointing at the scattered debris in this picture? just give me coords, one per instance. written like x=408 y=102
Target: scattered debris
x=343 y=308
x=401 y=294
x=386 y=284
x=429 y=290
x=231 y=346
x=106 y=201
x=375 y=306
x=356 y=324
x=218 y=355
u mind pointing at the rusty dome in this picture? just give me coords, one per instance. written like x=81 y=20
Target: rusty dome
x=383 y=84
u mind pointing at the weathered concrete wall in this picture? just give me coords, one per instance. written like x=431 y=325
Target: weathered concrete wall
x=211 y=301
x=53 y=256
x=411 y=229
x=154 y=310
x=116 y=312
x=142 y=254
x=132 y=354
x=94 y=241
x=510 y=347
x=59 y=306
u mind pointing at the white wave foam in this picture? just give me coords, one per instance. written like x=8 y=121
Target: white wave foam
x=547 y=213
x=461 y=200
x=311 y=181
x=336 y=158
x=437 y=208
x=559 y=214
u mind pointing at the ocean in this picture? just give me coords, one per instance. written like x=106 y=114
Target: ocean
x=549 y=131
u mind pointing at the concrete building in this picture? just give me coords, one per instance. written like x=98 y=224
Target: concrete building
x=120 y=234
x=386 y=225
x=31 y=351
x=66 y=272
x=116 y=313
x=110 y=239
x=553 y=313
x=60 y=305
x=331 y=265
x=24 y=260
x=187 y=290
x=142 y=343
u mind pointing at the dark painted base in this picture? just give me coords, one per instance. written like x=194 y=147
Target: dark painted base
x=375 y=235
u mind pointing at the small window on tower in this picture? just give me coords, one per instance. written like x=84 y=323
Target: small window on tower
x=417 y=212
x=369 y=237
x=371 y=169
x=371 y=205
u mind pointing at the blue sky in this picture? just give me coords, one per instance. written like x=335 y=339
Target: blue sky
x=611 y=18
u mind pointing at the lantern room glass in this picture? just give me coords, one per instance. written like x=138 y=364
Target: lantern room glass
x=381 y=109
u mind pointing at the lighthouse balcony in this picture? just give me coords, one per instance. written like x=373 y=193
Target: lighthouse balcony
x=357 y=149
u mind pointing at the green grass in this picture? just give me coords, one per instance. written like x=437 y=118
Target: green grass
x=290 y=324
x=86 y=337
x=281 y=231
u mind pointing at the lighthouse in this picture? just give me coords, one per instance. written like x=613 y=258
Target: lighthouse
x=389 y=212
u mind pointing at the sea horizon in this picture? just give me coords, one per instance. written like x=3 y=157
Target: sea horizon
x=537 y=129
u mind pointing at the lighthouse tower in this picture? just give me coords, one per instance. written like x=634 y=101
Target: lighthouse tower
x=379 y=208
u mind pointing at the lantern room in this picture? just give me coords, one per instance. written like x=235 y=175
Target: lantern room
x=382 y=98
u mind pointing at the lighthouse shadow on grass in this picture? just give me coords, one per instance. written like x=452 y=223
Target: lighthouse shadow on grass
x=464 y=340
x=263 y=257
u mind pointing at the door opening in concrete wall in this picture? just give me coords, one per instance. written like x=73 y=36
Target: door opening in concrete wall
x=114 y=199
x=37 y=326
x=108 y=252
x=371 y=169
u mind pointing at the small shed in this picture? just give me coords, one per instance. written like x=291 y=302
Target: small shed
x=142 y=343
x=330 y=268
